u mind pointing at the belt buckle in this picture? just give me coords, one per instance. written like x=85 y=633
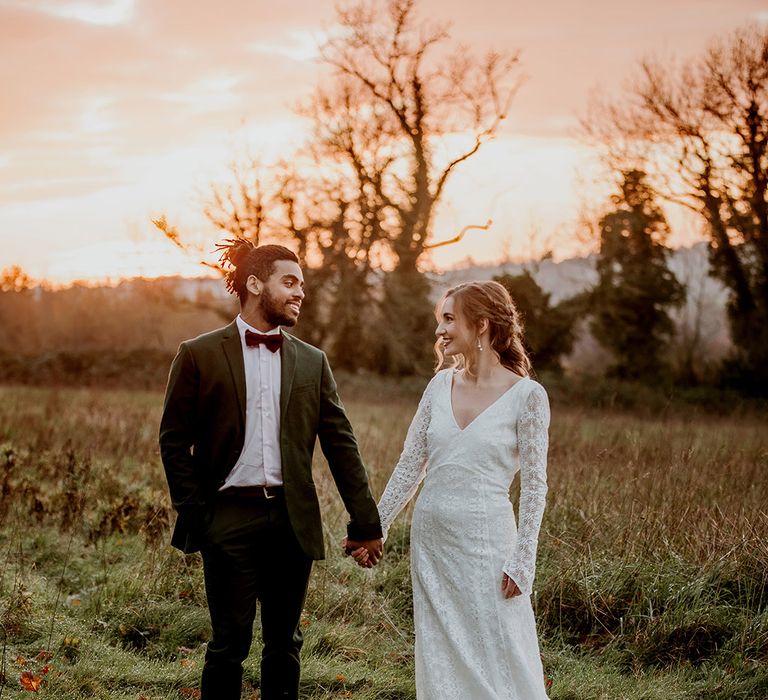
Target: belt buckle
x=266 y=493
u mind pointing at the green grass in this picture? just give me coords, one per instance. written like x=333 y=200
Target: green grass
x=652 y=580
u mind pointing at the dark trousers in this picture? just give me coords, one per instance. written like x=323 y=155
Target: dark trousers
x=251 y=554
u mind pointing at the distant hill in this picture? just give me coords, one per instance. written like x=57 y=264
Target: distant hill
x=561 y=279
x=568 y=277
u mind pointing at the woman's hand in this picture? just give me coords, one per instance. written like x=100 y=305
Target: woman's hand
x=509 y=587
x=361 y=554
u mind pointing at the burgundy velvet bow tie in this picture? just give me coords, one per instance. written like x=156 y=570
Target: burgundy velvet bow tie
x=273 y=342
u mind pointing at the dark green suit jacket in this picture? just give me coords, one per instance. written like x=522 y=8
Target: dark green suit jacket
x=202 y=433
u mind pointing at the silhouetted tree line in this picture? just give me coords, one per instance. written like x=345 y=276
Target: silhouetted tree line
x=122 y=336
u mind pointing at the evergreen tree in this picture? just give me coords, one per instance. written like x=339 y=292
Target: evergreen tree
x=549 y=330
x=635 y=286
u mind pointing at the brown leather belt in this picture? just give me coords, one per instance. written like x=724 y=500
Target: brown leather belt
x=264 y=493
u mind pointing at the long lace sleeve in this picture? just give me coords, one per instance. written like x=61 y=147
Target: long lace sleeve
x=411 y=467
x=533 y=442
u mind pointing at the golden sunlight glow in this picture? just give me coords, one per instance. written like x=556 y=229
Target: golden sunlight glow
x=124 y=111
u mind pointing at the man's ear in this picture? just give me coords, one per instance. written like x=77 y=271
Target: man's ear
x=254 y=285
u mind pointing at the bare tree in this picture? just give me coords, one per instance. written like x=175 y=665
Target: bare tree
x=701 y=132
x=418 y=96
x=415 y=93
x=360 y=196
x=241 y=208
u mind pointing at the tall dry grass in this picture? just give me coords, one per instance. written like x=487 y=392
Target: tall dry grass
x=652 y=569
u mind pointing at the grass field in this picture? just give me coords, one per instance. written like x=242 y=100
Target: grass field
x=652 y=580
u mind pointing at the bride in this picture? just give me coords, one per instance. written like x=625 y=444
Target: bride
x=478 y=422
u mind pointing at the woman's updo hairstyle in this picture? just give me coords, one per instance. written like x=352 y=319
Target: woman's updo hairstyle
x=476 y=301
x=241 y=259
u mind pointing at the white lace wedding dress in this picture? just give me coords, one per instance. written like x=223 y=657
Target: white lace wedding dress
x=471 y=642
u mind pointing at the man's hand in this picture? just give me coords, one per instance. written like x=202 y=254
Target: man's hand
x=366 y=553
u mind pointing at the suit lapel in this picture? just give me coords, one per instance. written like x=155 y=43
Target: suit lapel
x=233 y=350
x=287 y=370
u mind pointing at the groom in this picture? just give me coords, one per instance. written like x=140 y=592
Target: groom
x=243 y=408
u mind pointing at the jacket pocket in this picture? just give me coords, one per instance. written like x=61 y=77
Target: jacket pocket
x=303 y=388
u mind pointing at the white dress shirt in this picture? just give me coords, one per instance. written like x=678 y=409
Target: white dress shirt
x=259 y=463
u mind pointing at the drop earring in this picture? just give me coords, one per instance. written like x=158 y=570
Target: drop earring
x=479 y=345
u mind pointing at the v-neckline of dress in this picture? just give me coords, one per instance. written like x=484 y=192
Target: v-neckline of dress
x=484 y=411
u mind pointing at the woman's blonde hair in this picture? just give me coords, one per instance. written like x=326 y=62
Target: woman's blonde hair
x=476 y=301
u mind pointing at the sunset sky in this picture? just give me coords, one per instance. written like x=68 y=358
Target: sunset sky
x=116 y=111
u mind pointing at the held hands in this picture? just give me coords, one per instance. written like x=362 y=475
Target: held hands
x=509 y=588
x=366 y=553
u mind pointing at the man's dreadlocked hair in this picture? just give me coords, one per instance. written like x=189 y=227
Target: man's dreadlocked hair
x=241 y=259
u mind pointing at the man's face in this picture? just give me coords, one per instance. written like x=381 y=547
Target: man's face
x=282 y=294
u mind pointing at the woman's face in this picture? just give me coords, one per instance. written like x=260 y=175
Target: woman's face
x=457 y=336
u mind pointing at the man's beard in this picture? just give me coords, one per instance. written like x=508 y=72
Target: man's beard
x=274 y=314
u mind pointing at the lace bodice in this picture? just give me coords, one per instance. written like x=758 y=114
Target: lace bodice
x=511 y=434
